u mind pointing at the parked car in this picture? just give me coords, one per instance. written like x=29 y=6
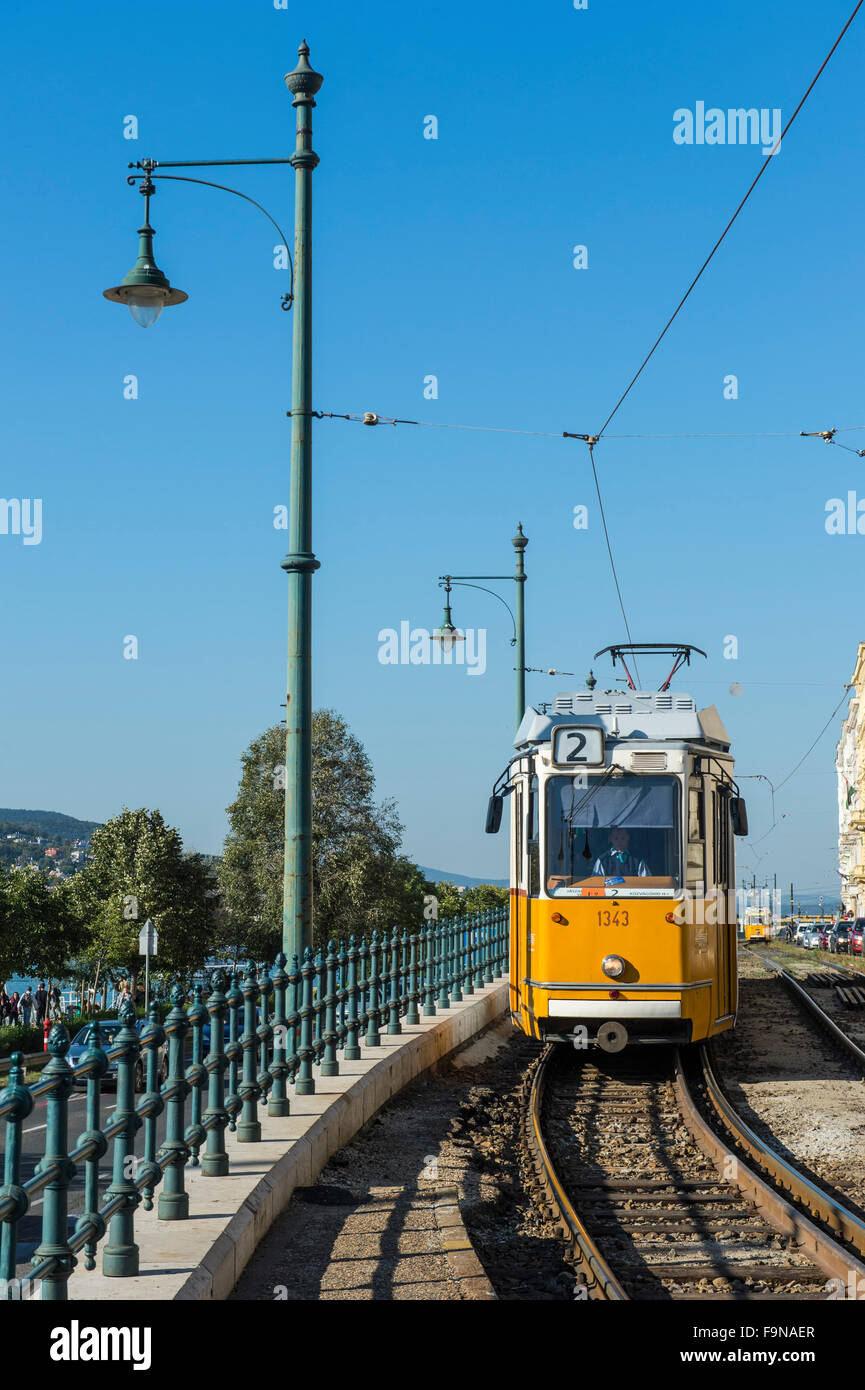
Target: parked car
x=856 y=931
x=799 y=931
x=811 y=936
x=824 y=930
x=839 y=937
x=109 y=1027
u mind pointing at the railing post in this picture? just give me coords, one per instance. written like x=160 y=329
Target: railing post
x=372 y=1019
x=196 y=1076
x=54 y=1245
x=468 y=937
x=249 y=1128
x=264 y=1033
x=317 y=1006
x=214 y=1163
x=488 y=953
x=120 y=1256
x=305 y=1084
x=22 y=1102
x=443 y=1000
x=429 y=936
x=279 y=1069
x=504 y=940
x=478 y=950
x=173 y=1204
x=152 y=1038
x=341 y=995
x=393 y=1024
x=456 y=947
x=412 y=1015
x=234 y=1001
x=294 y=987
x=329 y=1063
x=352 y=1023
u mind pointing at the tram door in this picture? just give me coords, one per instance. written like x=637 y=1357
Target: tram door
x=726 y=955
x=519 y=937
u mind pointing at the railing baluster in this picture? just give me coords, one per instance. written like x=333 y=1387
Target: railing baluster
x=372 y=1018
x=393 y=1023
x=429 y=936
x=341 y=995
x=294 y=988
x=173 y=1204
x=456 y=937
x=317 y=1008
x=196 y=1076
x=214 y=1163
x=279 y=1103
x=22 y=1102
x=305 y=1085
x=234 y=1000
x=329 y=1063
x=352 y=1047
x=489 y=928
x=442 y=957
x=264 y=1033
x=412 y=1015
x=152 y=1038
x=249 y=1127
x=120 y=1256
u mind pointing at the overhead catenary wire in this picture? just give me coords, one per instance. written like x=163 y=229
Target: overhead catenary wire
x=753 y=185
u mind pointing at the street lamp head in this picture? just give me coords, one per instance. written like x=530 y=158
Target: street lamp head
x=447 y=634
x=144 y=289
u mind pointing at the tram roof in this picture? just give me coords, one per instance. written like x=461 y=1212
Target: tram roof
x=655 y=715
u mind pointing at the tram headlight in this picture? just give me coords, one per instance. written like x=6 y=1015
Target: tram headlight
x=613 y=966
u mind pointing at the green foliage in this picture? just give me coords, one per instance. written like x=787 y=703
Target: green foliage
x=360 y=881
x=139 y=870
x=40 y=931
x=484 y=896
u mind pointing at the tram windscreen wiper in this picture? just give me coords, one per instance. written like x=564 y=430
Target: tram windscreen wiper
x=590 y=794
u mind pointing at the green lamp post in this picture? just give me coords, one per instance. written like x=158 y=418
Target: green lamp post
x=146 y=291
x=448 y=635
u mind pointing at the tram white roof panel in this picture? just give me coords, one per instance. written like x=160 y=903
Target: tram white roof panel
x=627 y=714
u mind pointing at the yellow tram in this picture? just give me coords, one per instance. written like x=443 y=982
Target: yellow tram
x=623 y=920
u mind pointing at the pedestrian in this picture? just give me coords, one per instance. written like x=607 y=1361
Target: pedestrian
x=13 y=1007
x=41 y=1000
x=55 y=1006
x=26 y=1006
x=4 y=1004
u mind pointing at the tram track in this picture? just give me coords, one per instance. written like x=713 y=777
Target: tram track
x=648 y=1172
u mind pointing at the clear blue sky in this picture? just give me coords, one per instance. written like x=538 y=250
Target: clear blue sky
x=450 y=257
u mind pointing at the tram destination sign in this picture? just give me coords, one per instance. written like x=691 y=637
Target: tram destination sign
x=578 y=746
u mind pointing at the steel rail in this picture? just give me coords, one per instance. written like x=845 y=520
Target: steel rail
x=826 y=1251
x=602 y=1284
x=804 y=998
x=600 y=1279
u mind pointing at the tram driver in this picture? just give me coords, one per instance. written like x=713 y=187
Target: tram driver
x=617 y=861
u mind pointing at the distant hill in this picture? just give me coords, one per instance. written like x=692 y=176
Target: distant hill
x=55 y=843
x=52 y=824
x=461 y=880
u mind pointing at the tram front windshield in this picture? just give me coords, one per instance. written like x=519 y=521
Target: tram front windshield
x=620 y=831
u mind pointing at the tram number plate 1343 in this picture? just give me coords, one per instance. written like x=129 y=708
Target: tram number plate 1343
x=583 y=747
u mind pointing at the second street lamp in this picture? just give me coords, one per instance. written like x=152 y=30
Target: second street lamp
x=146 y=291
x=448 y=635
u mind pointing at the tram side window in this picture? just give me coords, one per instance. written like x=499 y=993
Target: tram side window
x=533 y=840
x=622 y=831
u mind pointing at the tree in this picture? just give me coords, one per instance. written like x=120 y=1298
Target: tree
x=40 y=933
x=360 y=881
x=484 y=896
x=139 y=870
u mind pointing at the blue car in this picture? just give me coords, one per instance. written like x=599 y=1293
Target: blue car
x=109 y=1028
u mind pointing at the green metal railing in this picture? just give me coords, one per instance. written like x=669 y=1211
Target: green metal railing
x=271 y=1029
